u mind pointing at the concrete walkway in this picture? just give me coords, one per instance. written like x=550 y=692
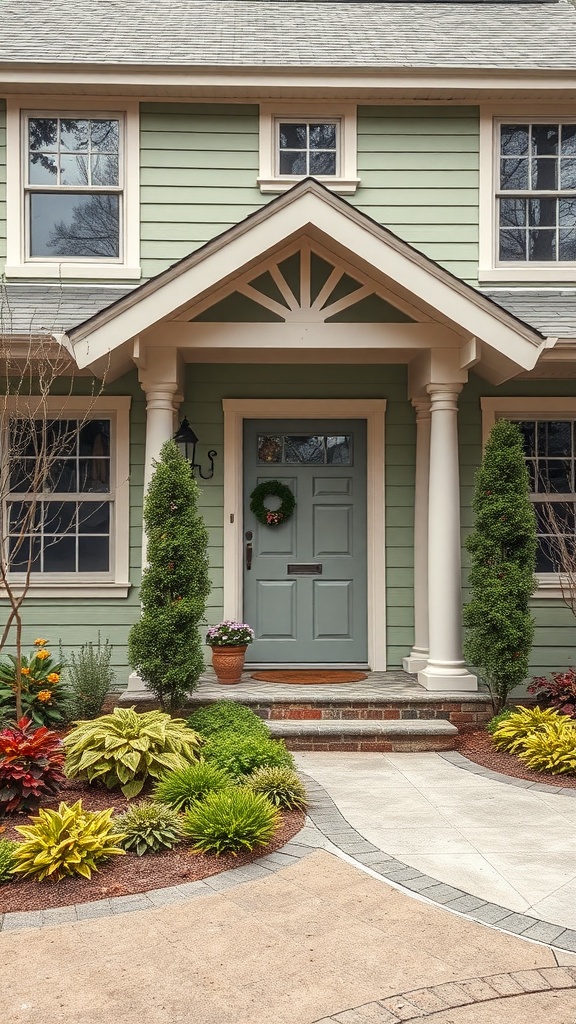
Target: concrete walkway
x=514 y=847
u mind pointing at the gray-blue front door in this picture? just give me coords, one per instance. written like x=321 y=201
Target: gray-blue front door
x=305 y=579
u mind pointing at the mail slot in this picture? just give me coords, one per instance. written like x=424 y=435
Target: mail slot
x=306 y=569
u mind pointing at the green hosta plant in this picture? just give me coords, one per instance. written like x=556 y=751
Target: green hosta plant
x=226 y=715
x=7 y=859
x=551 y=748
x=231 y=821
x=126 y=748
x=149 y=828
x=241 y=755
x=69 y=841
x=512 y=733
x=279 y=785
x=182 y=788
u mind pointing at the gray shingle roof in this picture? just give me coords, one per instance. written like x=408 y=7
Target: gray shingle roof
x=52 y=308
x=290 y=33
x=552 y=312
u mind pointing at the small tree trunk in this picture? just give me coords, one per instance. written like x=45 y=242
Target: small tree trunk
x=18 y=691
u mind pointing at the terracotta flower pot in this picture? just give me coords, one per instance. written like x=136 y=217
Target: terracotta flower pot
x=228 y=663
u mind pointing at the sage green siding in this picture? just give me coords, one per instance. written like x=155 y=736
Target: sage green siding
x=2 y=183
x=554 y=640
x=207 y=385
x=199 y=165
x=418 y=168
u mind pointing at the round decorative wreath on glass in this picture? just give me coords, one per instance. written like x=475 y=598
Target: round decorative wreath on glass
x=229 y=641
x=272 y=489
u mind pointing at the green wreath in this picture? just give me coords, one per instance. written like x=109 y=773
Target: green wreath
x=265 y=515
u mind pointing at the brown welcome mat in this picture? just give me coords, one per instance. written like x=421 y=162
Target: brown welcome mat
x=308 y=676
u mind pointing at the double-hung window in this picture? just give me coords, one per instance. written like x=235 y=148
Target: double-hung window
x=65 y=507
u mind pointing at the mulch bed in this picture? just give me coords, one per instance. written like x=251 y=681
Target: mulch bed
x=124 y=876
x=478 y=747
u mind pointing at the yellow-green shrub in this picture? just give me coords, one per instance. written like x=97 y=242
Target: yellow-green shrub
x=512 y=732
x=552 y=748
x=126 y=748
x=69 y=841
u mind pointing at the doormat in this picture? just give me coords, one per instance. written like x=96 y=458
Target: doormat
x=309 y=677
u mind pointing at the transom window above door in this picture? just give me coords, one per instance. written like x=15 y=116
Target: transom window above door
x=304 y=449
x=308 y=148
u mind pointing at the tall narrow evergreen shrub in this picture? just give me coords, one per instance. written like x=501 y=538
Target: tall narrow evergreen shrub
x=165 y=645
x=503 y=556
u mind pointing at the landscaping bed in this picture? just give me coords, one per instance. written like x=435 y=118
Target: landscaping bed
x=479 y=747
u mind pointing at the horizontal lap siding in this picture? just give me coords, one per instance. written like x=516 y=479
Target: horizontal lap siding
x=199 y=165
x=207 y=385
x=554 y=646
x=418 y=170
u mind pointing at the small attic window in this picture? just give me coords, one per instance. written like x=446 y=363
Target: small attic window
x=313 y=142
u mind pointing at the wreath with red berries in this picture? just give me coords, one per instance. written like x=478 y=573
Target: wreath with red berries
x=276 y=489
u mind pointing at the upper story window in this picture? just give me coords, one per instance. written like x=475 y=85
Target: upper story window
x=308 y=142
x=73 y=191
x=527 y=198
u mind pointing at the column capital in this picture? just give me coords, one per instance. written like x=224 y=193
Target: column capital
x=422 y=407
x=444 y=396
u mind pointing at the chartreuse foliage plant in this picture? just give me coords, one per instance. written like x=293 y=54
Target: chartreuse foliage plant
x=502 y=547
x=281 y=786
x=513 y=731
x=165 y=645
x=125 y=748
x=31 y=766
x=45 y=699
x=231 y=821
x=149 y=827
x=227 y=715
x=183 y=787
x=551 y=748
x=69 y=841
x=241 y=755
x=7 y=859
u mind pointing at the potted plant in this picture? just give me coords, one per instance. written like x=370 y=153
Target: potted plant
x=229 y=641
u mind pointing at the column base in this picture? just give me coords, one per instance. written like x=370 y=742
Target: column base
x=136 y=685
x=446 y=676
x=416 y=661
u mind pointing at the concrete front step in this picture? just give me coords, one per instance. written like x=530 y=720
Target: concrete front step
x=375 y=735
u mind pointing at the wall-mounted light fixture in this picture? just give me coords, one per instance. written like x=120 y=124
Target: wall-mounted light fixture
x=186 y=440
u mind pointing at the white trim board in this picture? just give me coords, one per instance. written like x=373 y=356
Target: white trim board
x=373 y=411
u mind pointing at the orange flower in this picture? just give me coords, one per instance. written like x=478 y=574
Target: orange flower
x=40 y=642
x=53 y=678
x=25 y=671
x=44 y=695
x=43 y=654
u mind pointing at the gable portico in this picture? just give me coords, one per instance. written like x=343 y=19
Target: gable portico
x=310 y=281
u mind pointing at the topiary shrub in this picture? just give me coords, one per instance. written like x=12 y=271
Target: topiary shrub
x=7 y=859
x=69 y=841
x=165 y=644
x=183 y=787
x=241 y=755
x=31 y=766
x=231 y=821
x=126 y=748
x=226 y=715
x=512 y=733
x=551 y=748
x=279 y=785
x=148 y=828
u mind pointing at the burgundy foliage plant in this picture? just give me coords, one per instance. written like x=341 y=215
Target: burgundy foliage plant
x=31 y=766
x=558 y=692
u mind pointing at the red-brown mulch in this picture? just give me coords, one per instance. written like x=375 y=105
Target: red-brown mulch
x=478 y=746
x=123 y=876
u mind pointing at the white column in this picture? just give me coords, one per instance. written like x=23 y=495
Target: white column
x=445 y=669
x=160 y=409
x=418 y=657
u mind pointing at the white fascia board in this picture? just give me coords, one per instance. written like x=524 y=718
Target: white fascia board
x=312 y=207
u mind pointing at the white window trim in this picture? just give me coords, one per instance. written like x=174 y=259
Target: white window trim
x=116 y=583
x=17 y=266
x=490 y=121
x=346 y=182
x=530 y=409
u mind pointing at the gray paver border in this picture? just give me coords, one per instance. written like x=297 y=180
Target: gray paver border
x=461 y=761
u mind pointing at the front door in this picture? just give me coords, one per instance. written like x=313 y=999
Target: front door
x=305 y=578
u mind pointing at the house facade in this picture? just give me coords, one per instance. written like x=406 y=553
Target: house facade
x=339 y=263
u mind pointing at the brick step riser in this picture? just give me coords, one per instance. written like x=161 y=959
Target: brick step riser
x=379 y=745
x=466 y=717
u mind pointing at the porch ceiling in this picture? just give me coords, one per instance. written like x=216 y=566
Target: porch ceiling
x=424 y=307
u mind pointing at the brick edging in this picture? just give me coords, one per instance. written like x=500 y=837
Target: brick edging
x=424 y=1002
x=461 y=761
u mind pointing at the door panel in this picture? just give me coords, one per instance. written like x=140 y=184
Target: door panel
x=305 y=593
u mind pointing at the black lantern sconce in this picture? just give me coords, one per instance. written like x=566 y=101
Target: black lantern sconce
x=186 y=440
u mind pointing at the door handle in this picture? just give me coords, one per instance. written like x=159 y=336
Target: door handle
x=249 y=536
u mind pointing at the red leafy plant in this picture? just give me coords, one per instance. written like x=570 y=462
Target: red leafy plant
x=559 y=692
x=31 y=766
